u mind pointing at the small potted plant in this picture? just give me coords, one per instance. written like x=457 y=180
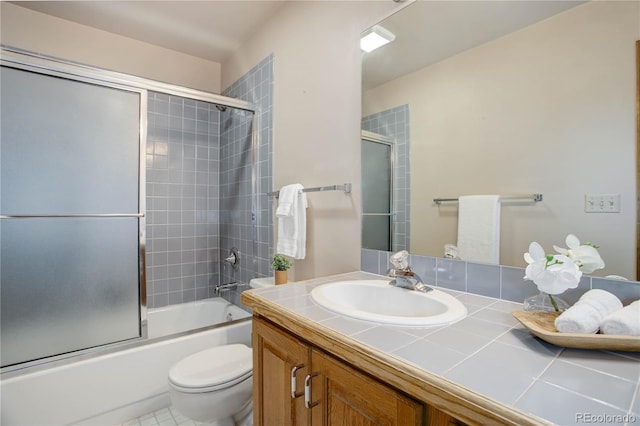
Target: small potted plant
x=280 y=264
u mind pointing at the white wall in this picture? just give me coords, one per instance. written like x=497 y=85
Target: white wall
x=41 y=33
x=317 y=117
x=470 y=132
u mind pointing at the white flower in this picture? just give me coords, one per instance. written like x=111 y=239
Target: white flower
x=536 y=253
x=586 y=256
x=553 y=274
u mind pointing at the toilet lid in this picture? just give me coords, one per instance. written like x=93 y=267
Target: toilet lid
x=222 y=365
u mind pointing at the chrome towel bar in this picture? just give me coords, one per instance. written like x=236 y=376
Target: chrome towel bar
x=529 y=197
x=346 y=188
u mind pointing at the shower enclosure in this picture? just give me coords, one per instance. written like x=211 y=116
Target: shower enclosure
x=117 y=194
x=377 y=192
x=390 y=127
x=199 y=160
x=68 y=220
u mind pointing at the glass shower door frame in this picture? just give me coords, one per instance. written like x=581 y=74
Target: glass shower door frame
x=73 y=72
x=381 y=139
x=30 y=61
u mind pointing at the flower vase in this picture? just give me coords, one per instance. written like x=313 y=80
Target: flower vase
x=545 y=302
x=281 y=277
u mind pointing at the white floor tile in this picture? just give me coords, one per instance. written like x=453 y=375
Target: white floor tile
x=164 y=417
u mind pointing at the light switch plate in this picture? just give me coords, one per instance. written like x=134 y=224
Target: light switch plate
x=602 y=203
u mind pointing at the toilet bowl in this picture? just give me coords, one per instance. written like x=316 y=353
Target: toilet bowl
x=214 y=385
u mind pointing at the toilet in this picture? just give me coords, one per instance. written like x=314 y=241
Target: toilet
x=264 y=282
x=214 y=385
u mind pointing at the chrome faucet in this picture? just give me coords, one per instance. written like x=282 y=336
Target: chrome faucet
x=221 y=288
x=407 y=279
x=403 y=276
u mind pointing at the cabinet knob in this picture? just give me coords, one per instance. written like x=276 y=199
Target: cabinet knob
x=294 y=393
x=307 y=391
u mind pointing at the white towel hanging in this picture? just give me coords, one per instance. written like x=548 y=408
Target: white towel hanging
x=479 y=228
x=292 y=221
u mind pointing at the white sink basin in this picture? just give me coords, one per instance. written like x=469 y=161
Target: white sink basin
x=377 y=301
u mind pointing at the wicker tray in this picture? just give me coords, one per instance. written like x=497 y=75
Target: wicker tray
x=541 y=324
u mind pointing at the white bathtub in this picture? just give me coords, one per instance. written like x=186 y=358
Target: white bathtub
x=113 y=388
x=189 y=316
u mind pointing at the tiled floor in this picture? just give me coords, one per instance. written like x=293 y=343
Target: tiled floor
x=164 y=417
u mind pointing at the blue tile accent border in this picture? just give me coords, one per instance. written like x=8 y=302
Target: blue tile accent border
x=500 y=282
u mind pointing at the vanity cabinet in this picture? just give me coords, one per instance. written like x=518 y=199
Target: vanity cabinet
x=296 y=383
x=341 y=395
x=436 y=417
x=278 y=360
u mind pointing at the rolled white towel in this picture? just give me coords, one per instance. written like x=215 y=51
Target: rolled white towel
x=625 y=321
x=605 y=303
x=580 y=318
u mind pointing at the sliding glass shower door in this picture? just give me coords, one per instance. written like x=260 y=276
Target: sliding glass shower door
x=377 y=193
x=71 y=230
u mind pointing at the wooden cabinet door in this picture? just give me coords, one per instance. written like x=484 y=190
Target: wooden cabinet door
x=275 y=354
x=344 y=396
x=436 y=417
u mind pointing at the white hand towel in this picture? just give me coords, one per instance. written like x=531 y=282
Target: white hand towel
x=625 y=321
x=587 y=314
x=579 y=318
x=479 y=228
x=604 y=302
x=286 y=198
x=292 y=221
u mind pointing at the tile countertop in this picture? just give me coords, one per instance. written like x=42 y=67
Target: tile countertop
x=491 y=354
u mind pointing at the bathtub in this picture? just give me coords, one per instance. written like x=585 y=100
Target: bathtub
x=190 y=316
x=113 y=388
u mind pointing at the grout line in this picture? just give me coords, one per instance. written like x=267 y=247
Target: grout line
x=591 y=398
x=538 y=377
x=606 y=373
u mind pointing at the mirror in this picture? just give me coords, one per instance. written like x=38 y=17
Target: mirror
x=513 y=98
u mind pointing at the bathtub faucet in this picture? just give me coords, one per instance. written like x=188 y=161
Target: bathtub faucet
x=221 y=288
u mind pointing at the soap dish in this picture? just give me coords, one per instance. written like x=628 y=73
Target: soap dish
x=541 y=324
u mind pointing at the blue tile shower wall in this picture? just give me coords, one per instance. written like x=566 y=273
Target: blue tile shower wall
x=394 y=123
x=501 y=282
x=199 y=192
x=256 y=87
x=182 y=164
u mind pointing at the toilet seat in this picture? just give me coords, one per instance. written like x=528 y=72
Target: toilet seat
x=212 y=369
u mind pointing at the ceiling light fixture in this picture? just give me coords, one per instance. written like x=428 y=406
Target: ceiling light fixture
x=375 y=37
